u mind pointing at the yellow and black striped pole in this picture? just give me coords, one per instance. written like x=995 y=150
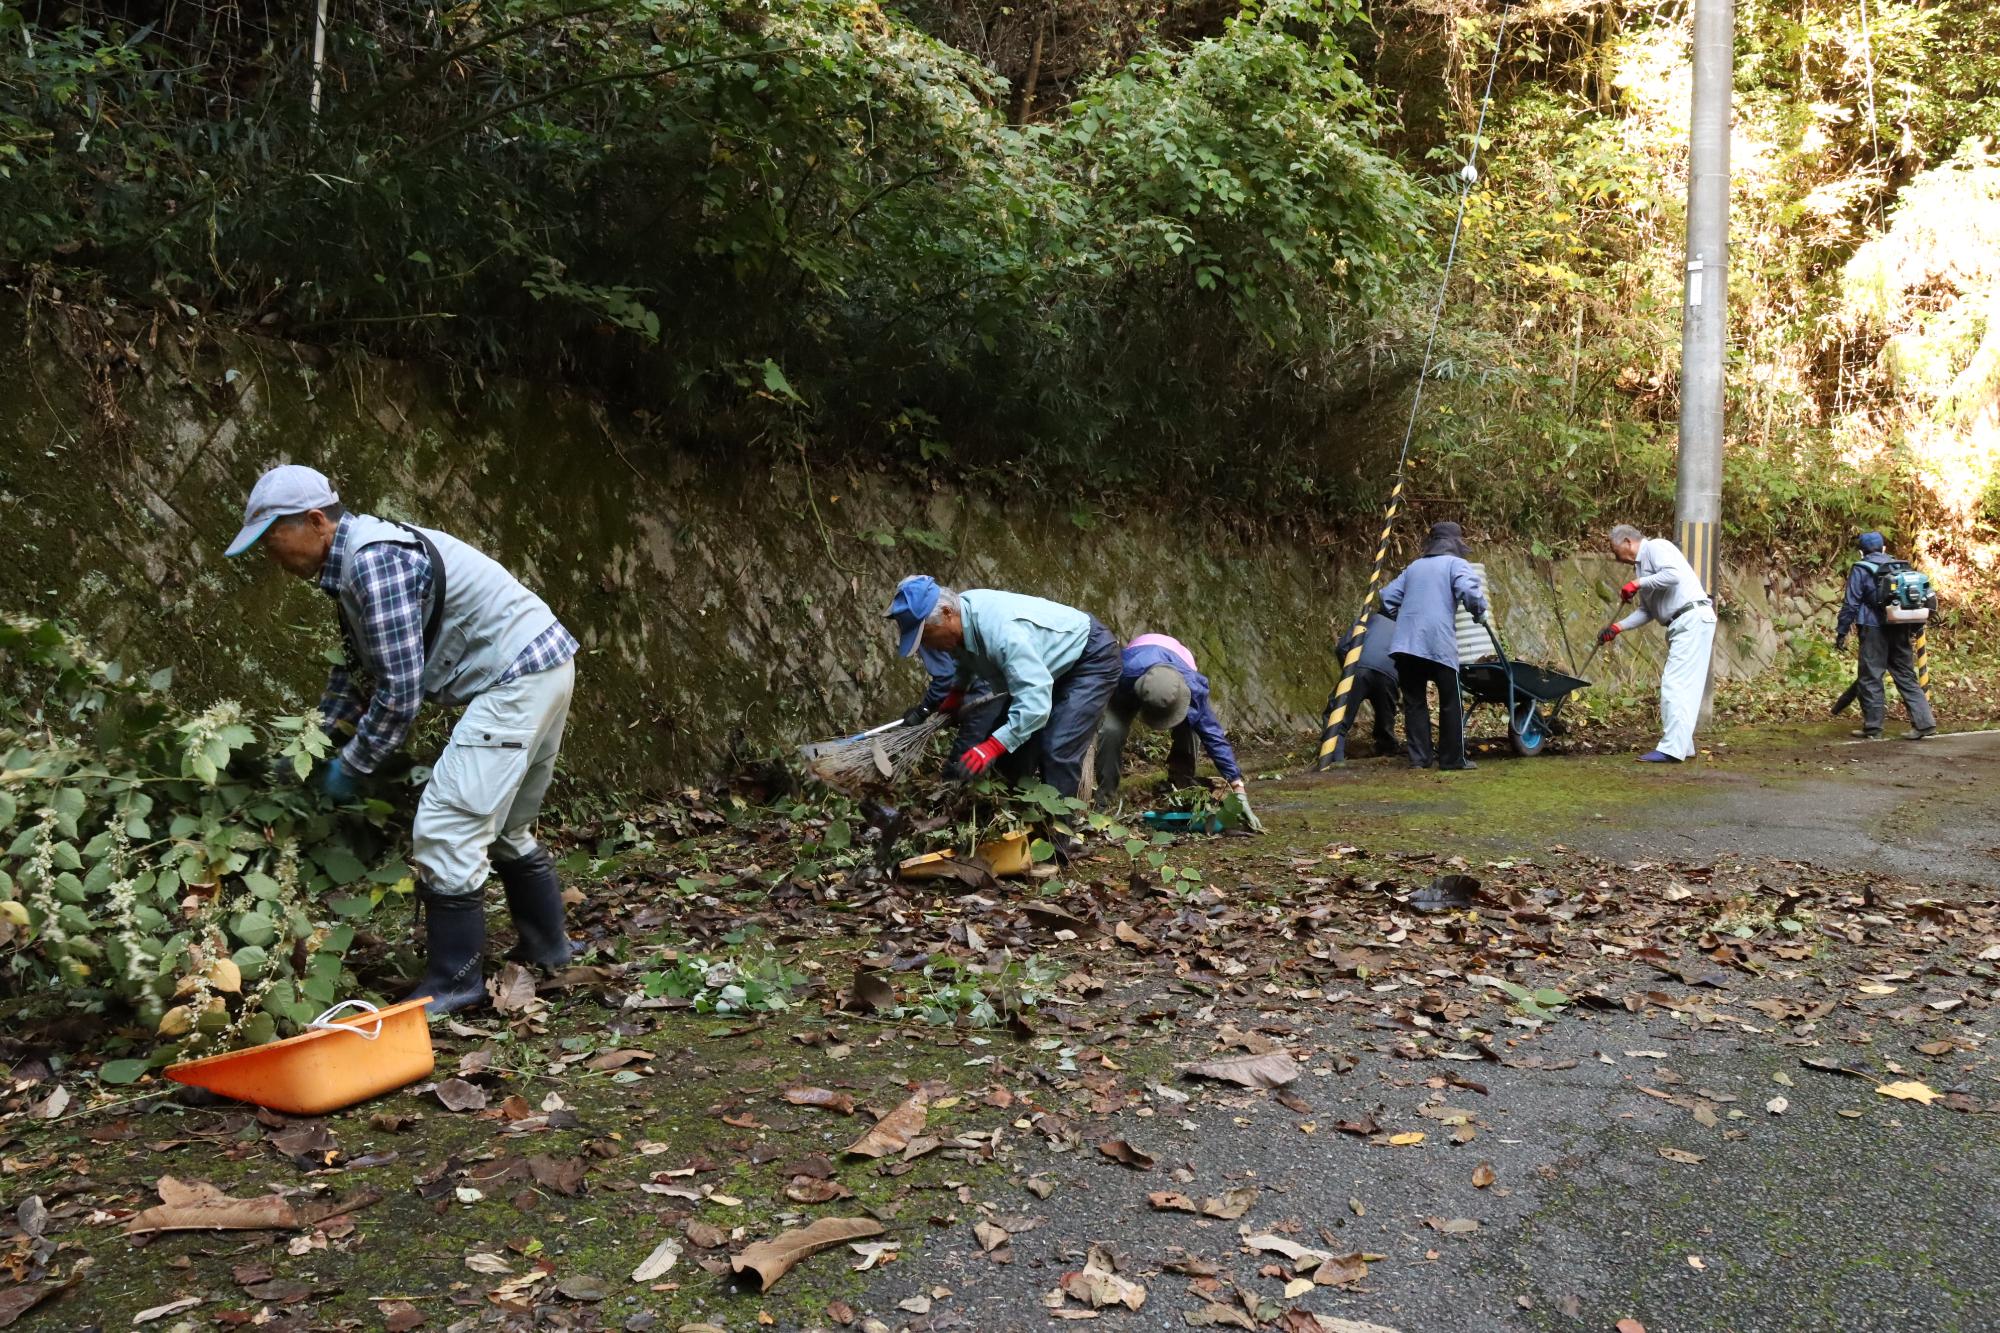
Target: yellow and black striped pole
x=1923 y=658
x=1340 y=706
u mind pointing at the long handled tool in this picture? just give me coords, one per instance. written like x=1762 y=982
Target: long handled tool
x=880 y=754
x=1556 y=712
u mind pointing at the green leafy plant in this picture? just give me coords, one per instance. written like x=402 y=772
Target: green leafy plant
x=757 y=984
x=156 y=870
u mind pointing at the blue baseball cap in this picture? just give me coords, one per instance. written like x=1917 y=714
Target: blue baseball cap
x=1872 y=541
x=280 y=493
x=916 y=597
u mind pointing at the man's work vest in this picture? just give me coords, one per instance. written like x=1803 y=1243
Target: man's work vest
x=487 y=619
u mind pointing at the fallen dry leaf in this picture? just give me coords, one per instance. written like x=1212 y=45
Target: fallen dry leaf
x=1273 y=1069
x=893 y=1132
x=458 y=1095
x=824 y=1098
x=660 y=1262
x=772 y=1259
x=1631 y=1326
x=1168 y=1201
x=1097 y=1285
x=1340 y=1270
x=1118 y=1150
x=989 y=1236
x=1679 y=1155
x=162 y=1311
x=17 y=1301
x=512 y=989
x=195 y=1205
x=1909 y=1091
x=1454 y=1226
x=1482 y=1175
x=1217 y=1315
x=1232 y=1205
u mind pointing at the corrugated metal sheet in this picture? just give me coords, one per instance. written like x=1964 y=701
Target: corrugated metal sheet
x=1474 y=643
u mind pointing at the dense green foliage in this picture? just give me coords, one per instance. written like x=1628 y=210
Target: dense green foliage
x=1186 y=247
x=151 y=869
x=801 y=215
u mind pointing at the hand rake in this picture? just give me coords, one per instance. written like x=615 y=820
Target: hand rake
x=882 y=754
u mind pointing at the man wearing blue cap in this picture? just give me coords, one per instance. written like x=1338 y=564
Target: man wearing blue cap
x=424 y=616
x=1883 y=647
x=1058 y=664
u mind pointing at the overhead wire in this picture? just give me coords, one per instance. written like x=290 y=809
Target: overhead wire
x=1340 y=705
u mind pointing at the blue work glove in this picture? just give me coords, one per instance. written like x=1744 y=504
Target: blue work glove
x=340 y=782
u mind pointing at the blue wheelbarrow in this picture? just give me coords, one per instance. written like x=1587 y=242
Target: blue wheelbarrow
x=1523 y=689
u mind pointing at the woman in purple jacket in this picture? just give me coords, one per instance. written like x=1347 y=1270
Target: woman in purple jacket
x=1424 y=599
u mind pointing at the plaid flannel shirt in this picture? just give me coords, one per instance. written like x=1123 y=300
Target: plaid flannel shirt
x=395 y=585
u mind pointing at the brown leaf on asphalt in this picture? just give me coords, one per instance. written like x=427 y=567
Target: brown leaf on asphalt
x=1482 y=1175
x=458 y=1095
x=704 y=1236
x=198 y=1206
x=1217 y=1315
x=564 y=1175
x=604 y=1061
x=1270 y=1070
x=893 y=1132
x=1300 y=1255
x=871 y=993
x=1126 y=935
x=1362 y=1128
x=312 y=1141
x=1118 y=1150
x=990 y=1237
x=400 y=1316
x=1453 y=1226
x=162 y=1311
x=1631 y=1326
x=1097 y=1284
x=512 y=989
x=1678 y=1155
x=1340 y=1270
x=1232 y=1205
x=1909 y=1091
x=1170 y=1202
x=806 y=1189
x=17 y=1301
x=772 y=1259
x=824 y=1098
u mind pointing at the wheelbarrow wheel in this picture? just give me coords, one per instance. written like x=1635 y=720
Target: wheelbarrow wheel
x=1528 y=730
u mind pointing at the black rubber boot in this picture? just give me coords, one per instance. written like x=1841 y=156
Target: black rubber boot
x=534 y=897
x=454 y=936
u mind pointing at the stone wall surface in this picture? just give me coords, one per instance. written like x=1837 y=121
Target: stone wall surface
x=721 y=600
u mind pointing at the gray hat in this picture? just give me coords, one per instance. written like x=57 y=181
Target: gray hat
x=1163 y=697
x=280 y=493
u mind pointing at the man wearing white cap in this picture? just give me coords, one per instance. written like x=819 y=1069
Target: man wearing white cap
x=424 y=616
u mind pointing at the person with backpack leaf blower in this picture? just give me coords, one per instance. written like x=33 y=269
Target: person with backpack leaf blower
x=1886 y=604
x=1669 y=591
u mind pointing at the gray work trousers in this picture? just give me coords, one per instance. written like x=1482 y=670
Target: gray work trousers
x=1892 y=649
x=1111 y=737
x=487 y=787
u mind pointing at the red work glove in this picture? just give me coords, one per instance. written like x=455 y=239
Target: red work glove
x=949 y=704
x=1629 y=591
x=1610 y=632
x=976 y=760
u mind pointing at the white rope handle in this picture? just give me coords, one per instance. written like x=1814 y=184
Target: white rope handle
x=325 y=1021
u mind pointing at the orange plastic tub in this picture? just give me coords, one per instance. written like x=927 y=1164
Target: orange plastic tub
x=325 y=1069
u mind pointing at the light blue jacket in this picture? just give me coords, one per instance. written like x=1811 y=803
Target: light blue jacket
x=1424 y=599
x=1021 y=644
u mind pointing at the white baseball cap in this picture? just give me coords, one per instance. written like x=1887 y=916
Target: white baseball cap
x=280 y=493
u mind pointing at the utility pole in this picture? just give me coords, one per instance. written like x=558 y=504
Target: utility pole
x=1705 y=315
